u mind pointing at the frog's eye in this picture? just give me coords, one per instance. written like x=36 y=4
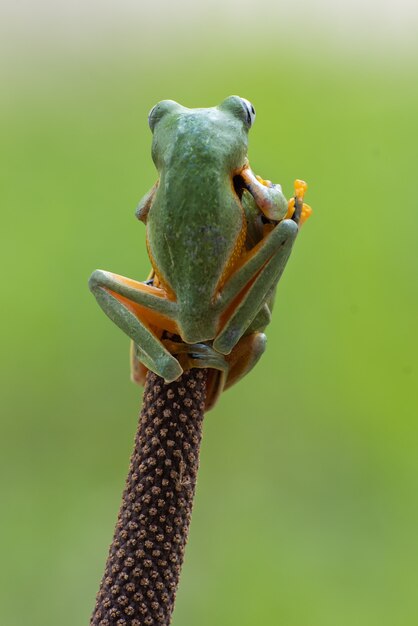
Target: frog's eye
x=159 y=110
x=240 y=108
x=250 y=110
x=151 y=118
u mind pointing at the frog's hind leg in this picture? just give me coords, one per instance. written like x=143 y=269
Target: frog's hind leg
x=235 y=366
x=138 y=308
x=252 y=284
x=244 y=356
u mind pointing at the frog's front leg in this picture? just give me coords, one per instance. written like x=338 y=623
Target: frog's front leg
x=140 y=310
x=251 y=283
x=268 y=196
x=145 y=203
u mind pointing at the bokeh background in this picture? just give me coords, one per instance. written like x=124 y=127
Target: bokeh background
x=306 y=508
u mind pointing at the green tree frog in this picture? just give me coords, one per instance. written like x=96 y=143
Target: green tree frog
x=218 y=238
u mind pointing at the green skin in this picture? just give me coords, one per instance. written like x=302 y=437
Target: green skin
x=194 y=216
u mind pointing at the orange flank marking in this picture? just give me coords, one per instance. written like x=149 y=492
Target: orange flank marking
x=236 y=252
x=144 y=314
x=247 y=256
x=240 y=297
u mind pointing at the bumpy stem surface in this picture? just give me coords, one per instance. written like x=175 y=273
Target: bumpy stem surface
x=143 y=567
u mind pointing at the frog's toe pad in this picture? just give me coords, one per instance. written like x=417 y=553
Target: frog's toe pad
x=171 y=370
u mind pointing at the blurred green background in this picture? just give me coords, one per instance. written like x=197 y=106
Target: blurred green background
x=306 y=508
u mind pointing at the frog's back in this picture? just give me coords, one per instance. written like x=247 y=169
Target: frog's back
x=195 y=226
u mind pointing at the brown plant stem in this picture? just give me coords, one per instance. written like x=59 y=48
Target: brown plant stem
x=143 y=567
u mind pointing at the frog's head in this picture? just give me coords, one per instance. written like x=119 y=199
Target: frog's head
x=218 y=134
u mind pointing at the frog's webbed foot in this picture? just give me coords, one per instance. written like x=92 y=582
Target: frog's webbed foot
x=297 y=210
x=199 y=355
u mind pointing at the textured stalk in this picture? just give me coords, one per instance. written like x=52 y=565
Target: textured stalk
x=143 y=567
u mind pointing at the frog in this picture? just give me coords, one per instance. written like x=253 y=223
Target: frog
x=218 y=238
